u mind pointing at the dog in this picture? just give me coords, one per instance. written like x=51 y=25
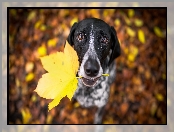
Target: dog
x=97 y=46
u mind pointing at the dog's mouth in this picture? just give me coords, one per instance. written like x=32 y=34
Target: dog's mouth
x=90 y=82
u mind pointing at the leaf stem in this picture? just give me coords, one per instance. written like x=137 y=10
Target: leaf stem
x=105 y=75
x=79 y=77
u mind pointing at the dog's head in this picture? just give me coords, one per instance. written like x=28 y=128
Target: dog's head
x=94 y=41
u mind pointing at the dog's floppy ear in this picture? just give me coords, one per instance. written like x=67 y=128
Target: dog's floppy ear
x=70 y=38
x=115 y=47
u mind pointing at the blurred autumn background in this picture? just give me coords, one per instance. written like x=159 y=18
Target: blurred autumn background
x=138 y=95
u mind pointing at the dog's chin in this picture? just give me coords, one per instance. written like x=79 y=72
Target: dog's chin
x=90 y=82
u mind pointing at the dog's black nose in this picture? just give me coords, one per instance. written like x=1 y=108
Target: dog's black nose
x=91 y=67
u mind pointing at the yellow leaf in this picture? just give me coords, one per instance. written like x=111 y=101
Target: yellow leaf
x=63 y=13
x=131 y=57
x=158 y=32
x=31 y=16
x=159 y=97
x=76 y=105
x=66 y=12
x=127 y=20
x=17 y=82
x=29 y=77
x=60 y=81
x=132 y=53
x=134 y=50
x=26 y=115
x=64 y=26
x=68 y=90
x=34 y=98
x=73 y=21
x=106 y=12
x=37 y=24
x=131 y=12
x=141 y=36
x=42 y=51
x=138 y=22
x=52 y=42
x=49 y=119
x=153 y=109
x=43 y=27
x=130 y=32
x=94 y=13
x=117 y=22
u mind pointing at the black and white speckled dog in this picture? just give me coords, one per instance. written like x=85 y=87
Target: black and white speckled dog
x=97 y=46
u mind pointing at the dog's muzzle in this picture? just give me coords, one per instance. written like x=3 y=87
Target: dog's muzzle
x=90 y=82
x=91 y=69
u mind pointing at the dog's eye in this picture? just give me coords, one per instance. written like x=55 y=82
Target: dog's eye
x=104 y=39
x=80 y=37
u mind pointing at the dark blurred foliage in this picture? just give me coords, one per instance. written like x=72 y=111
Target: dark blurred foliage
x=138 y=95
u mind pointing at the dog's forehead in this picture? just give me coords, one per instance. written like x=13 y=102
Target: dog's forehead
x=95 y=24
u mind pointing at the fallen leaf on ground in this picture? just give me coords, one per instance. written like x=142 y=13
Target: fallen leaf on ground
x=26 y=115
x=29 y=77
x=130 y=32
x=42 y=51
x=158 y=31
x=131 y=13
x=138 y=22
x=141 y=36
